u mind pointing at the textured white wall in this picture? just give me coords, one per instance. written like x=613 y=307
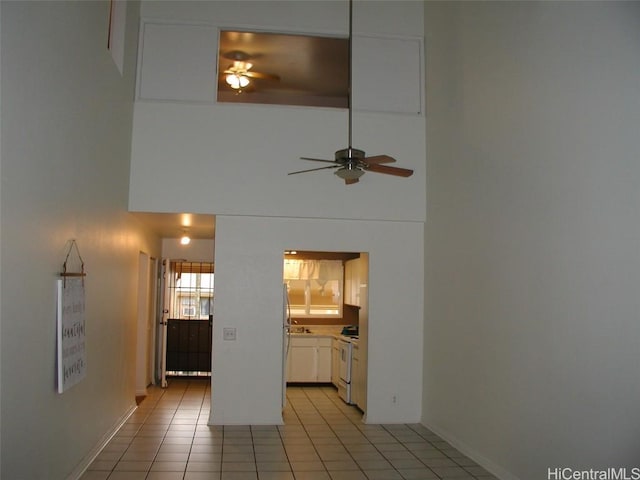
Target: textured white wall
x=227 y=169
x=531 y=334
x=247 y=373
x=66 y=134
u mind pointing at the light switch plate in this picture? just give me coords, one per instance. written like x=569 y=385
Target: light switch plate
x=229 y=333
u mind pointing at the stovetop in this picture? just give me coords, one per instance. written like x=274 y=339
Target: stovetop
x=349 y=338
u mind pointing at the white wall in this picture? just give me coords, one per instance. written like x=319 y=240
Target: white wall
x=247 y=373
x=532 y=266
x=198 y=250
x=384 y=17
x=66 y=132
x=234 y=159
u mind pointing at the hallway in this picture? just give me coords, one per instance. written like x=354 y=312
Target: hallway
x=167 y=438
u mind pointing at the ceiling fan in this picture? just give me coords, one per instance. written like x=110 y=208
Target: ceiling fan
x=238 y=75
x=350 y=163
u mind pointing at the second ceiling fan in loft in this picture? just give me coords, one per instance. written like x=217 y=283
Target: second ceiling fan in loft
x=351 y=163
x=238 y=75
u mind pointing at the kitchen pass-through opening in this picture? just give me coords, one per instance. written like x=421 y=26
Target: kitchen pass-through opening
x=325 y=320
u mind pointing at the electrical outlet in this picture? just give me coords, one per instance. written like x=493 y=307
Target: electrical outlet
x=394 y=399
x=229 y=333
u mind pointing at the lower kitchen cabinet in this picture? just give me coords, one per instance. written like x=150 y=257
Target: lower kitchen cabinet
x=335 y=362
x=324 y=361
x=301 y=363
x=355 y=375
x=358 y=378
x=309 y=359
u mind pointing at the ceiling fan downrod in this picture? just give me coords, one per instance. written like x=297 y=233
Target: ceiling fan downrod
x=350 y=85
x=351 y=163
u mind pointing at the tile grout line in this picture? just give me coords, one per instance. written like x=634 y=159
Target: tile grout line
x=339 y=407
x=165 y=433
x=307 y=433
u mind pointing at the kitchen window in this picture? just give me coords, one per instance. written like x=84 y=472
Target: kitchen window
x=314 y=287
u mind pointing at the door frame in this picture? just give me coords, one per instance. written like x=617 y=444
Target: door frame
x=145 y=322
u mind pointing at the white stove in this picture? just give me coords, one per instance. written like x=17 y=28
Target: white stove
x=345 y=347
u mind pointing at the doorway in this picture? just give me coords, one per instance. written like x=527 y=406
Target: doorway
x=325 y=297
x=145 y=323
x=185 y=339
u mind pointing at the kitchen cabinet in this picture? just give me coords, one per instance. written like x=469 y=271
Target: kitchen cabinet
x=355 y=374
x=356 y=276
x=358 y=377
x=301 y=362
x=309 y=359
x=324 y=361
x=353 y=277
x=335 y=362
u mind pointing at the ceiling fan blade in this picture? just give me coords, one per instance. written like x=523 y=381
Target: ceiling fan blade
x=351 y=181
x=319 y=160
x=377 y=159
x=261 y=75
x=312 y=170
x=398 y=172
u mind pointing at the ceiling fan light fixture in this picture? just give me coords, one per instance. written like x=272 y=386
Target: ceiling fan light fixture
x=241 y=66
x=349 y=172
x=237 y=81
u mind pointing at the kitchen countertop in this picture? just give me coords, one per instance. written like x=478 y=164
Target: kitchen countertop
x=313 y=334
x=321 y=331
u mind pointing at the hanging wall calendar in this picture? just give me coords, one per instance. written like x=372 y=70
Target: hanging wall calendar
x=72 y=364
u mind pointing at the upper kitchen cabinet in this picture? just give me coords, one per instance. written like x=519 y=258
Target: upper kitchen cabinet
x=356 y=273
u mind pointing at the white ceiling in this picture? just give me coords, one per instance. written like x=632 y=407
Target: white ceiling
x=173 y=225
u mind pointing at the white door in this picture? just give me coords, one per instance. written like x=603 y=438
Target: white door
x=162 y=322
x=286 y=330
x=142 y=331
x=151 y=319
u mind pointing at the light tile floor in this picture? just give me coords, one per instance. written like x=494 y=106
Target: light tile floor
x=167 y=438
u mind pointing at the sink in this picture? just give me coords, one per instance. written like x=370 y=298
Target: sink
x=295 y=329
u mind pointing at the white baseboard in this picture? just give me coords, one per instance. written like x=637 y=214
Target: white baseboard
x=91 y=456
x=484 y=462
